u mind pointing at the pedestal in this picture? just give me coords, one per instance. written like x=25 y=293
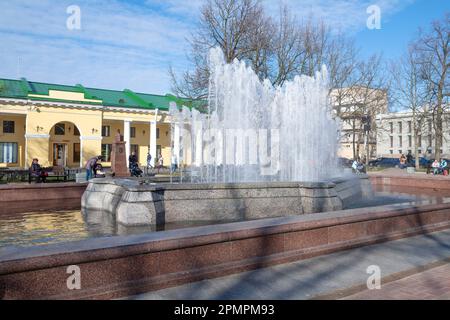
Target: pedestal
x=119 y=160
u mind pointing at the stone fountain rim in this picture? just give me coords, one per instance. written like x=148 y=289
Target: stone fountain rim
x=133 y=184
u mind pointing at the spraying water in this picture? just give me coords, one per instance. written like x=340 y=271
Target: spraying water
x=255 y=132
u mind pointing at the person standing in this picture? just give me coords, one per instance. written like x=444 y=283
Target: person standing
x=409 y=158
x=90 y=165
x=160 y=162
x=402 y=161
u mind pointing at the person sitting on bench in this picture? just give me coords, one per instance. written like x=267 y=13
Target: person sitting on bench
x=358 y=166
x=436 y=167
x=36 y=171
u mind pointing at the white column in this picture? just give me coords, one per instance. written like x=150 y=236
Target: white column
x=126 y=137
x=25 y=164
x=153 y=125
x=176 y=142
x=81 y=153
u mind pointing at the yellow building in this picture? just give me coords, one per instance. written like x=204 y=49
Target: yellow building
x=66 y=125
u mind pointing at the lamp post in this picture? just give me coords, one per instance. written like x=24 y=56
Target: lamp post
x=366 y=120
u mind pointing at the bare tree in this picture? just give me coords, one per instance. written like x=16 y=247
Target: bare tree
x=409 y=92
x=434 y=59
x=277 y=49
x=287 y=50
x=239 y=27
x=363 y=95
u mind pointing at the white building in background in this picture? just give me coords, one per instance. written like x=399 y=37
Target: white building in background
x=357 y=108
x=395 y=135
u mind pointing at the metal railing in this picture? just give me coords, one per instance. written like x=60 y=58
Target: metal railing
x=23 y=175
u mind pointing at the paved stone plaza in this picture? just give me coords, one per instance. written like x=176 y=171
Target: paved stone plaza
x=432 y=283
x=415 y=267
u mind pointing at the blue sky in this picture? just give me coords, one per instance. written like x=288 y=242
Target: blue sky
x=401 y=27
x=131 y=44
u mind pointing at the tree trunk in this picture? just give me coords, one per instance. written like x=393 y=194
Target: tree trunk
x=438 y=131
x=415 y=130
x=354 y=140
x=367 y=148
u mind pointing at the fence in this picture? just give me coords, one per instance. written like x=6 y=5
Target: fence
x=22 y=175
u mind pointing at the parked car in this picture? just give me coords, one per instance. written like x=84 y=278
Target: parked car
x=424 y=162
x=384 y=162
x=392 y=162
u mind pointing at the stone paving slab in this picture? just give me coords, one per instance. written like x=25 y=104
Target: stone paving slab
x=318 y=276
x=430 y=284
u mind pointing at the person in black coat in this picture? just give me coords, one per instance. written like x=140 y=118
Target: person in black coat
x=132 y=159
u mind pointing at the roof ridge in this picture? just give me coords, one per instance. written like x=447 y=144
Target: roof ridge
x=137 y=98
x=108 y=97
x=77 y=86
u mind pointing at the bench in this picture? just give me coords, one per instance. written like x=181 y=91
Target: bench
x=58 y=172
x=55 y=171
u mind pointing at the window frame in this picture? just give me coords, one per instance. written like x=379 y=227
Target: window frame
x=106 y=131
x=5 y=126
x=14 y=156
x=106 y=156
x=60 y=126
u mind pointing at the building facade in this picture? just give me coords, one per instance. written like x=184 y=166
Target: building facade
x=357 y=108
x=396 y=135
x=66 y=125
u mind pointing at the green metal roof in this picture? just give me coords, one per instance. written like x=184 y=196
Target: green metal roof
x=20 y=89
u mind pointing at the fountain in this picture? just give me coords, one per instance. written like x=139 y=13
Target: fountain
x=255 y=132
x=258 y=151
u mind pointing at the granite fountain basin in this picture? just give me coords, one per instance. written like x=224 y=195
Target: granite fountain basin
x=137 y=202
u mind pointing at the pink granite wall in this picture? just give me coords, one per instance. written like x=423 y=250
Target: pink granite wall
x=45 y=196
x=120 y=266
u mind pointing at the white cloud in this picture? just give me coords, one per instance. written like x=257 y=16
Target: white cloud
x=129 y=44
x=119 y=45
x=344 y=15
x=187 y=9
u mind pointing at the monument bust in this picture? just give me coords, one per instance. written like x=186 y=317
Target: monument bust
x=118 y=137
